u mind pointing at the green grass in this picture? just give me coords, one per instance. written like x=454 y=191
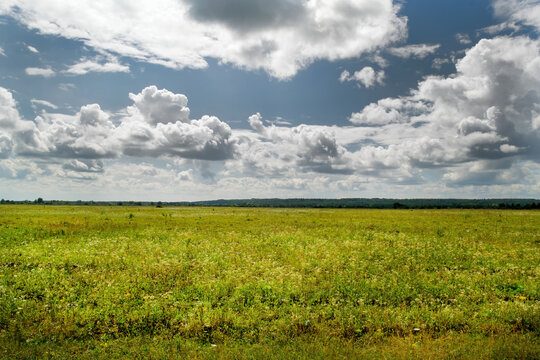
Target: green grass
x=113 y=282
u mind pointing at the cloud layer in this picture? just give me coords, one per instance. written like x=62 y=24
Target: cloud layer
x=157 y=124
x=479 y=126
x=280 y=37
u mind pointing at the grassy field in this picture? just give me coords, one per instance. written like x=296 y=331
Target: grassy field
x=115 y=282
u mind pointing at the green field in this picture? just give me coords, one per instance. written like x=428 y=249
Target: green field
x=144 y=282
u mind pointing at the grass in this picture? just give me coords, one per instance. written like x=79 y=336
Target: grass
x=141 y=282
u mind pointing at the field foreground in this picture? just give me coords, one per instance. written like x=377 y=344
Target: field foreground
x=114 y=282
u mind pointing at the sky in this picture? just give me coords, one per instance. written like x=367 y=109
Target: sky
x=183 y=100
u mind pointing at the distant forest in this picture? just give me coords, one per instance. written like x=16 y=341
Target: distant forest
x=360 y=203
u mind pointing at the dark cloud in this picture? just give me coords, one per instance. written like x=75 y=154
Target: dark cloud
x=247 y=15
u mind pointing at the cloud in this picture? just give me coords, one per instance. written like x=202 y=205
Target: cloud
x=463 y=39
x=85 y=135
x=439 y=62
x=248 y=15
x=9 y=116
x=502 y=172
x=157 y=125
x=477 y=127
x=418 y=51
x=388 y=111
x=85 y=166
x=20 y=169
x=37 y=102
x=485 y=113
x=66 y=86
x=2 y=52
x=32 y=49
x=96 y=65
x=499 y=28
x=45 y=72
x=280 y=37
x=161 y=106
x=186 y=175
x=207 y=138
x=278 y=149
x=366 y=77
x=526 y=12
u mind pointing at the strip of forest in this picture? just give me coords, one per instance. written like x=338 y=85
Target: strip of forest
x=348 y=203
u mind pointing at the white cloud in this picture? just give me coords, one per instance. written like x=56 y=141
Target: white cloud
x=463 y=39
x=279 y=37
x=476 y=129
x=280 y=150
x=97 y=65
x=45 y=72
x=525 y=12
x=2 y=52
x=156 y=125
x=388 y=111
x=439 y=62
x=161 y=106
x=37 y=102
x=486 y=173
x=9 y=116
x=186 y=175
x=66 y=86
x=484 y=113
x=418 y=51
x=499 y=28
x=32 y=49
x=366 y=77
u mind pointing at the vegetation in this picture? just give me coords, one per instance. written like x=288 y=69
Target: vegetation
x=350 y=203
x=147 y=282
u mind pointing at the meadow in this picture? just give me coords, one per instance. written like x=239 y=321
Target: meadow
x=95 y=282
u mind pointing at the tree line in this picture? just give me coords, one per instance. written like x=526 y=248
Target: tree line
x=361 y=203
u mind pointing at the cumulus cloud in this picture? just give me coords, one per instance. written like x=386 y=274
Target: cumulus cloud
x=161 y=106
x=388 y=111
x=366 y=77
x=418 y=51
x=280 y=37
x=9 y=116
x=45 y=72
x=156 y=125
x=280 y=149
x=479 y=126
x=32 y=49
x=84 y=66
x=2 y=52
x=485 y=113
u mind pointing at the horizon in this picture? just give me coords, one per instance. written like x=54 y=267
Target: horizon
x=347 y=99
x=239 y=201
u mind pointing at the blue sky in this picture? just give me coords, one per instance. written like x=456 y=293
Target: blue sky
x=189 y=100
